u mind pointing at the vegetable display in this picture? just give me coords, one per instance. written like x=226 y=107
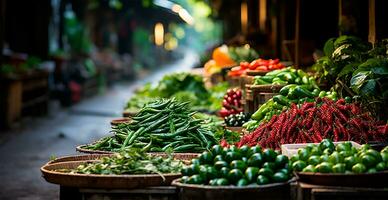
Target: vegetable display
x=285 y=76
x=132 y=161
x=236 y=120
x=237 y=166
x=182 y=86
x=325 y=157
x=231 y=103
x=158 y=126
x=313 y=121
x=257 y=65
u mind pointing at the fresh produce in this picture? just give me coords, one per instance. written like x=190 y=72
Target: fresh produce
x=325 y=157
x=183 y=87
x=237 y=166
x=132 y=161
x=258 y=65
x=225 y=56
x=289 y=94
x=313 y=121
x=158 y=126
x=231 y=103
x=236 y=120
x=286 y=76
x=357 y=68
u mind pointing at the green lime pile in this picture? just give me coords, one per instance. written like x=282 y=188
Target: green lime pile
x=343 y=158
x=237 y=166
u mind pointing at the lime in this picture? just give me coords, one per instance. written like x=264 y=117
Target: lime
x=359 y=168
x=324 y=167
x=309 y=168
x=298 y=165
x=339 y=168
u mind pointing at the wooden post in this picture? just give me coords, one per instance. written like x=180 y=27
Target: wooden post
x=297 y=32
x=339 y=16
x=372 y=22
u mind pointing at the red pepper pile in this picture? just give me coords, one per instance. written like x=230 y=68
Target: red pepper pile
x=258 y=65
x=312 y=122
x=231 y=103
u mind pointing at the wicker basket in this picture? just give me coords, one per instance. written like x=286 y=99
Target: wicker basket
x=101 y=181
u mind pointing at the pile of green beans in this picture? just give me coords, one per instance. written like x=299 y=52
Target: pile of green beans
x=158 y=126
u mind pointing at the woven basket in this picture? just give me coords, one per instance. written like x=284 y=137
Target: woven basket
x=101 y=181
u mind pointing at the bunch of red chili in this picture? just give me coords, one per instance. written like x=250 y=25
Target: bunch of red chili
x=258 y=65
x=314 y=121
x=231 y=104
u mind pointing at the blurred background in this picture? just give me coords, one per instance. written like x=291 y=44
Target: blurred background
x=68 y=66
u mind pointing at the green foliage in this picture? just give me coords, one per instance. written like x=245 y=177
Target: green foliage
x=243 y=53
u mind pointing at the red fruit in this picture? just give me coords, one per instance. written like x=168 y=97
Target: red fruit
x=244 y=65
x=234 y=96
x=239 y=94
x=230 y=100
x=224 y=112
x=235 y=102
x=225 y=104
x=229 y=92
x=226 y=96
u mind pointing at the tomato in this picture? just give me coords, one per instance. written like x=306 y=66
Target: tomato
x=309 y=168
x=298 y=165
x=224 y=171
x=251 y=173
x=324 y=167
x=244 y=65
x=220 y=164
x=269 y=155
x=184 y=179
x=195 y=161
x=262 y=68
x=187 y=171
x=266 y=172
x=280 y=177
x=281 y=161
x=349 y=162
x=211 y=172
x=294 y=158
x=262 y=180
x=327 y=144
x=238 y=164
x=335 y=158
x=255 y=160
x=339 y=168
x=381 y=166
x=235 y=175
x=217 y=150
x=368 y=160
x=304 y=154
x=242 y=182
x=256 y=149
x=316 y=151
x=195 y=179
x=206 y=158
x=313 y=160
x=270 y=165
x=371 y=170
x=245 y=151
x=232 y=155
x=222 y=181
x=254 y=64
x=324 y=158
x=359 y=168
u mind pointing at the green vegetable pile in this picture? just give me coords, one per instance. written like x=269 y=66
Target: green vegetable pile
x=343 y=158
x=183 y=87
x=237 y=166
x=131 y=162
x=158 y=126
x=286 y=76
x=299 y=91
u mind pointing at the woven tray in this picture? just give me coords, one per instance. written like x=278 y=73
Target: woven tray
x=266 y=88
x=101 y=181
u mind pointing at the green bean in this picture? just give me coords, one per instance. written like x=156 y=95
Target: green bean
x=185 y=148
x=172 y=144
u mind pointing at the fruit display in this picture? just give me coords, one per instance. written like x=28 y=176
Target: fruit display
x=158 y=126
x=325 y=157
x=237 y=166
x=313 y=121
x=257 y=65
x=231 y=103
x=236 y=120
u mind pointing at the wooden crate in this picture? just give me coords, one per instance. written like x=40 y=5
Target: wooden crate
x=155 y=193
x=316 y=192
